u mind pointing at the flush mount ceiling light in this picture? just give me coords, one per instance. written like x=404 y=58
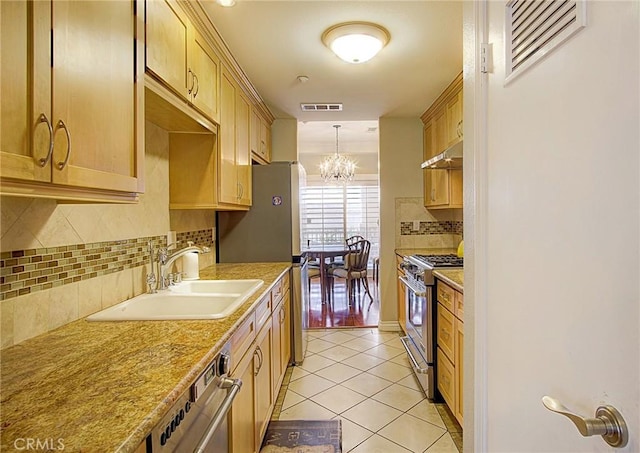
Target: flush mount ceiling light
x=336 y=168
x=226 y=3
x=356 y=42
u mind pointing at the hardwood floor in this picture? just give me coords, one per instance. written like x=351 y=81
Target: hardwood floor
x=338 y=313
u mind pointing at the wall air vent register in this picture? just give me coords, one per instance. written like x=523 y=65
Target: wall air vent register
x=534 y=28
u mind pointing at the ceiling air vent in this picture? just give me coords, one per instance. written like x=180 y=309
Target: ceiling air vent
x=536 y=27
x=321 y=107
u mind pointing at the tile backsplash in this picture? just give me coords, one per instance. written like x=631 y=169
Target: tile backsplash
x=60 y=262
x=417 y=227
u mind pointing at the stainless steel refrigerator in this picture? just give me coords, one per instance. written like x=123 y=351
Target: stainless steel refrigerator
x=270 y=232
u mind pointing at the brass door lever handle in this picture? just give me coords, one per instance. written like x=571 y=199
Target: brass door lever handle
x=607 y=423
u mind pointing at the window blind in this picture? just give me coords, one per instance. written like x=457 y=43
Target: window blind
x=332 y=213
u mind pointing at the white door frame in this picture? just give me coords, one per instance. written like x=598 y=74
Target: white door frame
x=475 y=221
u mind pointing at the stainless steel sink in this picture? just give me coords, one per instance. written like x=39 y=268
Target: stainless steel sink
x=201 y=299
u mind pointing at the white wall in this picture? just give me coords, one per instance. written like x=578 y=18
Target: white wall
x=400 y=177
x=284 y=140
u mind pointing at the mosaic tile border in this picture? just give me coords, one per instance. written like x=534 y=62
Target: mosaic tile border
x=445 y=227
x=28 y=271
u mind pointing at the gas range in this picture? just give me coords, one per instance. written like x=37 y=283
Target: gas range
x=420 y=267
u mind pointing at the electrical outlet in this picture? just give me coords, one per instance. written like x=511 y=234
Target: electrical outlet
x=213 y=235
x=171 y=240
x=416 y=225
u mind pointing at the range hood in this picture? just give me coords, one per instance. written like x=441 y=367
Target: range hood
x=450 y=158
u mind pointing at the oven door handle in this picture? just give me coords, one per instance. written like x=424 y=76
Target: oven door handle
x=420 y=292
x=414 y=362
x=221 y=413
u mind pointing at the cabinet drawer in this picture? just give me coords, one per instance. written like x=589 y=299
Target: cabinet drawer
x=446 y=296
x=445 y=331
x=263 y=311
x=280 y=288
x=459 y=306
x=242 y=338
x=446 y=382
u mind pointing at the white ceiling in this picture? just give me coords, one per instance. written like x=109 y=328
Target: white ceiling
x=276 y=41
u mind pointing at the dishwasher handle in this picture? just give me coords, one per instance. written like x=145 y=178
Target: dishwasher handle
x=221 y=413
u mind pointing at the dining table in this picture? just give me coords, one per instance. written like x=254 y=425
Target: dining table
x=323 y=253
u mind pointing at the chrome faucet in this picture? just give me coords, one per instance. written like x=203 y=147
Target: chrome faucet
x=165 y=260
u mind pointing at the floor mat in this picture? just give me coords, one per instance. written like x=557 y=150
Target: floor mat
x=303 y=436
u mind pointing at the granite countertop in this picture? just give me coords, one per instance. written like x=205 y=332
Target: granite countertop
x=453 y=277
x=103 y=386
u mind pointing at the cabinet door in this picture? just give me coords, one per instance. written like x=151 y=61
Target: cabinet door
x=255 y=132
x=25 y=82
x=454 y=120
x=94 y=98
x=166 y=50
x=459 y=367
x=263 y=387
x=402 y=313
x=265 y=140
x=242 y=419
x=243 y=149
x=436 y=187
x=205 y=67
x=285 y=336
x=227 y=173
x=440 y=121
x=446 y=379
x=445 y=336
x=429 y=143
x=276 y=351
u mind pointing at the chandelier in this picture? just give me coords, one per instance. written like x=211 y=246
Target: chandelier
x=336 y=168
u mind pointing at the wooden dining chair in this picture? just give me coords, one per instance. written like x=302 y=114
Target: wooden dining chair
x=354 y=269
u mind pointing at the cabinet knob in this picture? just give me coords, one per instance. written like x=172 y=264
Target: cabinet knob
x=607 y=423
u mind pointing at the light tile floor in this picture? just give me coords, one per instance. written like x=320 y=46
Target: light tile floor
x=362 y=377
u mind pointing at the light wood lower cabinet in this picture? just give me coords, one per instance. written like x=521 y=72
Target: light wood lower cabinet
x=401 y=295
x=71 y=118
x=450 y=351
x=263 y=362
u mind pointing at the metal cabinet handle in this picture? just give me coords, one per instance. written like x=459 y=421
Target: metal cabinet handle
x=608 y=422
x=197 y=85
x=221 y=413
x=282 y=315
x=61 y=125
x=190 y=87
x=258 y=352
x=43 y=119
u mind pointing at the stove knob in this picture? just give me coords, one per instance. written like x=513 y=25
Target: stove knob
x=181 y=414
x=167 y=432
x=223 y=364
x=177 y=419
x=187 y=406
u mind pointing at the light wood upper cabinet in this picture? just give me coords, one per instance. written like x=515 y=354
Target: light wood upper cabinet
x=75 y=120
x=166 y=43
x=179 y=56
x=454 y=120
x=243 y=149
x=234 y=175
x=443 y=129
x=204 y=65
x=260 y=138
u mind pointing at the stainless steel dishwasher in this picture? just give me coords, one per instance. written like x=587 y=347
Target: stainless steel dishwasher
x=197 y=422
